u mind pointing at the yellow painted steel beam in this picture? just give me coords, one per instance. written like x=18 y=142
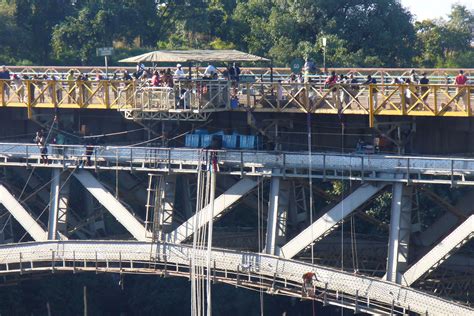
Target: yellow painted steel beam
x=213 y=96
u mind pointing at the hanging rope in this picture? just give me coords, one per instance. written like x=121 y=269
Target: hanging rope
x=202 y=237
x=310 y=179
x=355 y=258
x=260 y=237
x=342 y=204
x=212 y=190
x=195 y=296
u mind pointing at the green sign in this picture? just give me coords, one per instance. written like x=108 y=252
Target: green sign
x=105 y=51
x=297 y=65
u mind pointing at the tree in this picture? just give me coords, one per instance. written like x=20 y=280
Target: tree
x=36 y=19
x=446 y=43
x=99 y=24
x=75 y=40
x=10 y=36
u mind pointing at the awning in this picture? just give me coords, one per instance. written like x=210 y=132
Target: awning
x=196 y=55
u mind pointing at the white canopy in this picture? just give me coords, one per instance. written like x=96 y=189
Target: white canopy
x=195 y=55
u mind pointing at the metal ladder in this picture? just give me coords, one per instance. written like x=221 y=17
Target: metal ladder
x=154 y=207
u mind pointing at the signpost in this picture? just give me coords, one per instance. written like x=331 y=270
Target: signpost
x=297 y=65
x=324 y=53
x=105 y=51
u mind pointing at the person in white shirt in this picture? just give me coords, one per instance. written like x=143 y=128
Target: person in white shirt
x=185 y=99
x=210 y=72
x=179 y=73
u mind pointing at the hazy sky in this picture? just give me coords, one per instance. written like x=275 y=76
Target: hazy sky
x=429 y=9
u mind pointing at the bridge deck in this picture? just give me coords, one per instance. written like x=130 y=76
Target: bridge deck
x=363 y=293
x=385 y=168
x=138 y=100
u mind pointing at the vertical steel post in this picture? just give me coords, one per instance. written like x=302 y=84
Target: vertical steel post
x=54 y=205
x=371 y=107
x=29 y=99
x=399 y=235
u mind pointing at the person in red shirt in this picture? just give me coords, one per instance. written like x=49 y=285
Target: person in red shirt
x=155 y=80
x=461 y=80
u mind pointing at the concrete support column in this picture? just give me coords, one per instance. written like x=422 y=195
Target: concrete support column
x=54 y=205
x=59 y=197
x=63 y=217
x=277 y=214
x=400 y=229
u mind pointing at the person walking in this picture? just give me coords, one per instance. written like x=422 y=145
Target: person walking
x=461 y=81
x=40 y=140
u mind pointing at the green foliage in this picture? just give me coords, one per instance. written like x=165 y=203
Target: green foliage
x=446 y=43
x=360 y=33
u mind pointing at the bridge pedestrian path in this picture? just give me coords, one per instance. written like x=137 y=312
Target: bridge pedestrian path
x=253 y=270
x=324 y=165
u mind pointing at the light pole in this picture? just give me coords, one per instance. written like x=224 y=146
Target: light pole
x=324 y=53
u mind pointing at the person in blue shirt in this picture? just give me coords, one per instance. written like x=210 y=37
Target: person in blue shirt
x=5 y=75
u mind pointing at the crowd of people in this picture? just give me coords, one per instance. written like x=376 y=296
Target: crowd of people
x=78 y=86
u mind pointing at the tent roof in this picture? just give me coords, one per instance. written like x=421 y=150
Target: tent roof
x=197 y=55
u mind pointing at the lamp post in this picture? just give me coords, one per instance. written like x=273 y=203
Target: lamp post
x=324 y=53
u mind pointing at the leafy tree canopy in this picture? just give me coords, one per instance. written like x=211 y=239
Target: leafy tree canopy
x=360 y=33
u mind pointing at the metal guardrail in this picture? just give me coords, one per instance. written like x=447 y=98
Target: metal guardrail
x=437 y=75
x=408 y=169
x=362 y=292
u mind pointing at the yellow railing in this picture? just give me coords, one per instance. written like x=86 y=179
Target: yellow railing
x=220 y=95
x=66 y=94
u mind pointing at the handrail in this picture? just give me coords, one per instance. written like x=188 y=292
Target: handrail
x=443 y=170
x=101 y=69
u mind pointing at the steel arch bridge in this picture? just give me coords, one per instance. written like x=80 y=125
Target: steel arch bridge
x=63 y=241
x=243 y=269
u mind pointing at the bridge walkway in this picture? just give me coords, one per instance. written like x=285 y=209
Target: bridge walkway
x=141 y=101
x=251 y=270
x=331 y=166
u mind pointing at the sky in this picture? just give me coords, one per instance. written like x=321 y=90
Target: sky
x=431 y=9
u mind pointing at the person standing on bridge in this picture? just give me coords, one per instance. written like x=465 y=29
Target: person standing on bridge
x=179 y=73
x=40 y=140
x=210 y=72
x=414 y=77
x=424 y=82
x=461 y=81
x=19 y=88
x=71 y=89
x=309 y=69
x=5 y=75
x=309 y=287
x=155 y=80
x=372 y=81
